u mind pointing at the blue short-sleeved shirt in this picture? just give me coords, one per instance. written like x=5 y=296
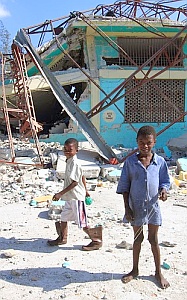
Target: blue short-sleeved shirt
x=143 y=185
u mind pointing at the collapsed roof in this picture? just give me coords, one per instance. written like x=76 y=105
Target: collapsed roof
x=65 y=53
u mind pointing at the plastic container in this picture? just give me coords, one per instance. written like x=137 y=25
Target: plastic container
x=166 y=266
x=88 y=200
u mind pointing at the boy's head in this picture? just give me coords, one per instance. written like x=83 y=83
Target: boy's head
x=147 y=130
x=146 y=138
x=70 y=147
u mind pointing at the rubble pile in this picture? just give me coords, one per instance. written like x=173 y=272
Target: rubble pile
x=22 y=182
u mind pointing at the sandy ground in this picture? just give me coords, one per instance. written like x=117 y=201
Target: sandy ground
x=36 y=271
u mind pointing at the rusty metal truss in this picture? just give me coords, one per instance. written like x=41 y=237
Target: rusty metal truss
x=24 y=109
x=140 y=12
x=135 y=10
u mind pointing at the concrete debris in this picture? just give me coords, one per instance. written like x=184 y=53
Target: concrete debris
x=5 y=154
x=182 y=164
x=114 y=175
x=107 y=168
x=9 y=253
x=178 y=144
x=30 y=183
x=16 y=273
x=183 y=176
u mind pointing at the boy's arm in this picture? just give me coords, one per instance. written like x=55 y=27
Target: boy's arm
x=57 y=196
x=84 y=182
x=128 y=211
x=163 y=194
x=164 y=179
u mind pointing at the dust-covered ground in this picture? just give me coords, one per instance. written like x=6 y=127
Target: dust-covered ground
x=30 y=269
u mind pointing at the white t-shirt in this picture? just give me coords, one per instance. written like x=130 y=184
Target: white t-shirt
x=74 y=172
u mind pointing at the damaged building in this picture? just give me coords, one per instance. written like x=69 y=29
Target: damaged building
x=102 y=75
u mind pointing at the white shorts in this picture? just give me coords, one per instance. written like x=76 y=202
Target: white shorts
x=74 y=210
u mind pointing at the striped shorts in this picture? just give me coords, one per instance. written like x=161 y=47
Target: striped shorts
x=75 y=210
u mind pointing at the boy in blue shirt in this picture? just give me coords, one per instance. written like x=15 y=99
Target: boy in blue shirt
x=143 y=181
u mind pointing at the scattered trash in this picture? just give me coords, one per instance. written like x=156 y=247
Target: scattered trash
x=184 y=192
x=176 y=181
x=183 y=175
x=33 y=203
x=92 y=187
x=165 y=266
x=9 y=253
x=125 y=245
x=168 y=244
x=109 y=250
x=66 y=264
x=43 y=198
x=34 y=278
x=180 y=204
x=16 y=273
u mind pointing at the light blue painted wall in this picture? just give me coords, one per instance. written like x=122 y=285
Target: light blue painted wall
x=127 y=136
x=185 y=52
x=102 y=48
x=115 y=131
x=85 y=105
x=60 y=138
x=124 y=133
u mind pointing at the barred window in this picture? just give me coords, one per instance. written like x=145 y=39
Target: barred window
x=149 y=104
x=141 y=49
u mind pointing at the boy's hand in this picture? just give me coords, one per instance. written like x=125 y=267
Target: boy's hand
x=56 y=197
x=163 y=195
x=129 y=214
x=87 y=194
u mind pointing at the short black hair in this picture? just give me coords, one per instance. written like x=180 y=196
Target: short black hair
x=146 y=130
x=72 y=141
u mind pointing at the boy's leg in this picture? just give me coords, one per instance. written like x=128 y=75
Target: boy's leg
x=62 y=226
x=62 y=231
x=153 y=240
x=95 y=234
x=138 y=239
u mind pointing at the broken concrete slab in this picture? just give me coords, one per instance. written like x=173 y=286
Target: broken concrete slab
x=87 y=159
x=178 y=144
x=182 y=164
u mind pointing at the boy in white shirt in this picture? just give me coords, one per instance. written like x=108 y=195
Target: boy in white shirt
x=74 y=193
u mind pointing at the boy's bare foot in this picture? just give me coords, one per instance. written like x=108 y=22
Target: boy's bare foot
x=128 y=277
x=162 y=281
